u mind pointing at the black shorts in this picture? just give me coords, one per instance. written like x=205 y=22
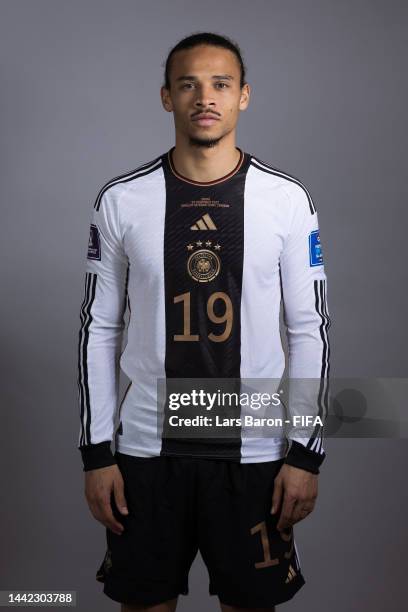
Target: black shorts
x=179 y=505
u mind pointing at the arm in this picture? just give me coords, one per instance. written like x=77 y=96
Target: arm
x=101 y=331
x=306 y=316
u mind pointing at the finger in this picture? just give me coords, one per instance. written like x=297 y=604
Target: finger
x=285 y=519
x=119 y=495
x=301 y=511
x=299 y=514
x=277 y=495
x=108 y=519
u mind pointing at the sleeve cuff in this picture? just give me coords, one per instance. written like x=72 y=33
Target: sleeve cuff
x=304 y=458
x=96 y=456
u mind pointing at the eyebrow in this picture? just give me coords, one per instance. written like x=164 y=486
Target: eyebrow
x=215 y=76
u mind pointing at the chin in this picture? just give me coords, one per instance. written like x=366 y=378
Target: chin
x=204 y=141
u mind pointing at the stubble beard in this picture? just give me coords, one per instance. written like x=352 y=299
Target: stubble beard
x=204 y=143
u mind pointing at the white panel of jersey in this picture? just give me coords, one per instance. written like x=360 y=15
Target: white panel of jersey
x=144 y=226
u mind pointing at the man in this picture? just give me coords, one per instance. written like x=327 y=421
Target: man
x=201 y=244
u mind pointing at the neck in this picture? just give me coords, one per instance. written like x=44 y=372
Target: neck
x=204 y=164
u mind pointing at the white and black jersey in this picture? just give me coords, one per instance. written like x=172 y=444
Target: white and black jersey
x=184 y=255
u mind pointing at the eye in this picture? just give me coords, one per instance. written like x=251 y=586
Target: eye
x=222 y=83
x=186 y=85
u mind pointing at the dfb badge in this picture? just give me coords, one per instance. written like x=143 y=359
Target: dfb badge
x=203 y=265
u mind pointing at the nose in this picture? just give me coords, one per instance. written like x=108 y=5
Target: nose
x=204 y=97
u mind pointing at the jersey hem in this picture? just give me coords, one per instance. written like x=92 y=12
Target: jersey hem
x=280 y=454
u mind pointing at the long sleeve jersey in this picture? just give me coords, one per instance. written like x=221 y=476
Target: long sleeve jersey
x=203 y=268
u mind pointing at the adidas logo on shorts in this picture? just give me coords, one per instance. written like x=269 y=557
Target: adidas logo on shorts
x=291 y=574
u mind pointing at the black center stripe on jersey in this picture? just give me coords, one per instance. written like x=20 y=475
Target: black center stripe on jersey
x=203 y=285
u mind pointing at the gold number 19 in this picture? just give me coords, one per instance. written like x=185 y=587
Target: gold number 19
x=226 y=318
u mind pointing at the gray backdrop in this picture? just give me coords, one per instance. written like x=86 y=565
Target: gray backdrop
x=80 y=104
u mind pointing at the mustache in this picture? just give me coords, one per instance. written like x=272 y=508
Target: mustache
x=206 y=112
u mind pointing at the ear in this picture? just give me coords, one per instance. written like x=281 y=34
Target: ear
x=245 y=95
x=166 y=100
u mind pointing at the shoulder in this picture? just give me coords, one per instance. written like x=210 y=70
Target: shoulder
x=113 y=188
x=294 y=187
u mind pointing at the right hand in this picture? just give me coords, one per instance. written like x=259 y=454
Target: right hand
x=99 y=485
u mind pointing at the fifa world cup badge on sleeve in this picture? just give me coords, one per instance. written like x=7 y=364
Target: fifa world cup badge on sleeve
x=94 y=244
x=315 y=249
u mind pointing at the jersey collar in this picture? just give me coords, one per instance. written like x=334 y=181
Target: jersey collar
x=169 y=158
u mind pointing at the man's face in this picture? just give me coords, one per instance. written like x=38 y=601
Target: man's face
x=205 y=95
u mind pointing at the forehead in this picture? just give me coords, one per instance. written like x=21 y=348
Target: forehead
x=204 y=60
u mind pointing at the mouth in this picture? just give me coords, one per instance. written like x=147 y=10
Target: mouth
x=205 y=120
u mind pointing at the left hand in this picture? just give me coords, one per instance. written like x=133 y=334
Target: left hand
x=299 y=490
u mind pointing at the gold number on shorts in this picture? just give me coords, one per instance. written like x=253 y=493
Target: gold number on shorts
x=288 y=538
x=261 y=528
